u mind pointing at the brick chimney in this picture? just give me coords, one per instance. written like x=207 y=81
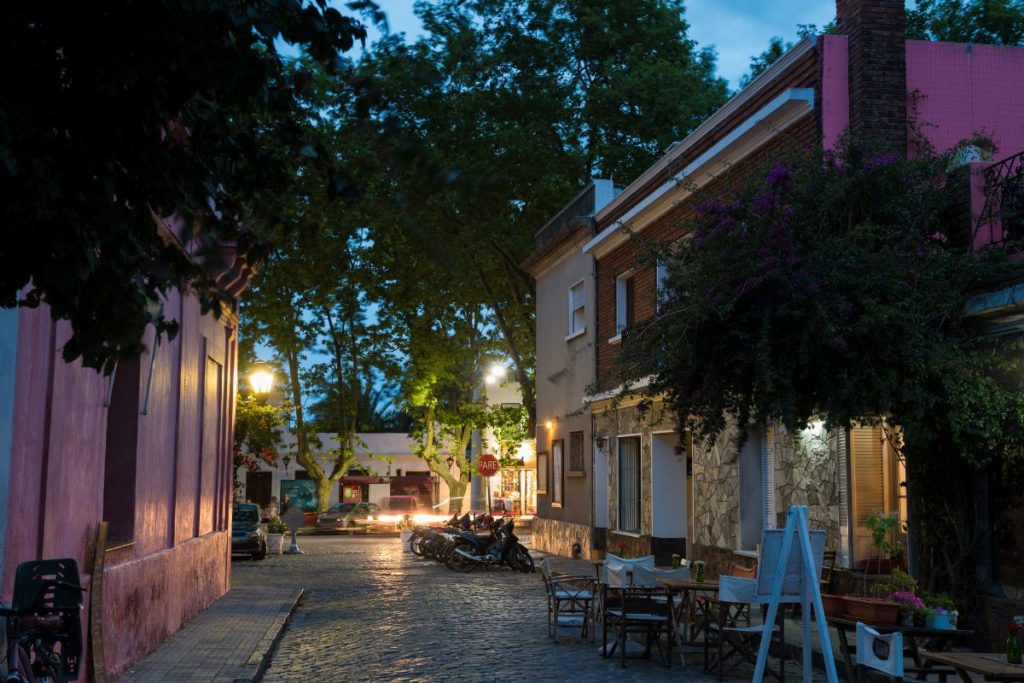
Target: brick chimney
x=876 y=30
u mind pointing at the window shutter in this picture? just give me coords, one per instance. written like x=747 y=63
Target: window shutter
x=843 y=482
x=768 y=515
x=576 y=297
x=867 y=472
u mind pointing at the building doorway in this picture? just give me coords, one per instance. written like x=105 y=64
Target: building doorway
x=258 y=487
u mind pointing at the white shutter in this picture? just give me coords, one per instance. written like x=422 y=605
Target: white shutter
x=768 y=515
x=868 y=474
x=843 y=482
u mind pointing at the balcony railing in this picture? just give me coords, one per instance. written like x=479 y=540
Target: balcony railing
x=581 y=205
x=1002 y=218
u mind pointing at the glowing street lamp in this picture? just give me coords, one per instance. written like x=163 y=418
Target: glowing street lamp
x=495 y=373
x=261 y=379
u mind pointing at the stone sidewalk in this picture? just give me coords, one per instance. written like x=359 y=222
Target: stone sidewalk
x=230 y=642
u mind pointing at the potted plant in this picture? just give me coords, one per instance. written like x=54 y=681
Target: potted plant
x=909 y=605
x=940 y=612
x=276 y=529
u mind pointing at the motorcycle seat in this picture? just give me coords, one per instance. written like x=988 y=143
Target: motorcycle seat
x=478 y=539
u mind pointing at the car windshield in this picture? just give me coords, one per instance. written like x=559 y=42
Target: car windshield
x=247 y=514
x=342 y=507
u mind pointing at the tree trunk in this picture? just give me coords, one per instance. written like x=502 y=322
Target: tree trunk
x=456 y=496
x=323 y=494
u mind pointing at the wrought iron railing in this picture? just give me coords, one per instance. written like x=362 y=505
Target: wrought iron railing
x=1002 y=217
x=581 y=205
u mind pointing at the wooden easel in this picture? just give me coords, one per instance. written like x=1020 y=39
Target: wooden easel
x=809 y=591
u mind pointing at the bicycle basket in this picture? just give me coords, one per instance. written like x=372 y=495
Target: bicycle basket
x=37 y=590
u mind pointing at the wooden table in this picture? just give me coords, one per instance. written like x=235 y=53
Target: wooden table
x=935 y=639
x=991 y=665
x=687 y=589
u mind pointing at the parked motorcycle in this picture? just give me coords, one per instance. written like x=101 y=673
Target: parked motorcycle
x=499 y=546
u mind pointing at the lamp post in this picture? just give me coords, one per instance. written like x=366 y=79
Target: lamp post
x=495 y=373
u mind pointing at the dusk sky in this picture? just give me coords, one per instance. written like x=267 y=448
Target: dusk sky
x=738 y=29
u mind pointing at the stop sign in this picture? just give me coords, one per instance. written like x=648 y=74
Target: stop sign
x=487 y=465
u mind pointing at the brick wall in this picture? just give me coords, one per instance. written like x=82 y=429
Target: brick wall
x=635 y=254
x=878 y=72
x=804 y=73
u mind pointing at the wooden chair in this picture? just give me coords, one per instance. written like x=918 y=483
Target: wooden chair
x=726 y=639
x=570 y=601
x=828 y=565
x=631 y=607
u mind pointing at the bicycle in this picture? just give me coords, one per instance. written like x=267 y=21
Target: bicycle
x=44 y=624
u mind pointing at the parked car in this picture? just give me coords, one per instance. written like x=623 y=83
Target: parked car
x=247 y=534
x=348 y=516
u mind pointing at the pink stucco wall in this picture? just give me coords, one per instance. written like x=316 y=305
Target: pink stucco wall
x=179 y=561
x=961 y=90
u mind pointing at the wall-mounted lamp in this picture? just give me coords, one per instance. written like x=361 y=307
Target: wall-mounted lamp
x=450 y=461
x=549 y=424
x=261 y=379
x=286 y=461
x=601 y=441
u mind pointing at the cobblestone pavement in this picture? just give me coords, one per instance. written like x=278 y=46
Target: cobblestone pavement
x=373 y=613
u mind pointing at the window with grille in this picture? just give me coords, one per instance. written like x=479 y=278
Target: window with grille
x=629 y=483
x=557 y=480
x=577 y=308
x=576 y=451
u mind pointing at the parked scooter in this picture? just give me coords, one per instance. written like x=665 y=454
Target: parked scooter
x=499 y=546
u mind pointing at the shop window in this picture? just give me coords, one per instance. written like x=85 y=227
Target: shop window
x=629 y=483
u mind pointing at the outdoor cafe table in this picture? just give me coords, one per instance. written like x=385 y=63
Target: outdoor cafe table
x=936 y=639
x=991 y=665
x=687 y=589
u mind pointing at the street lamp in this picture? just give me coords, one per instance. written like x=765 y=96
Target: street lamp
x=261 y=379
x=495 y=373
x=286 y=461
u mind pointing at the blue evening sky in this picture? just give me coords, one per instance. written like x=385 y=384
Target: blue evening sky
x=738 y=29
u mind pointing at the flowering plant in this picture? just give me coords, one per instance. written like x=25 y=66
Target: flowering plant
x=907 y=600
x=1013 y=626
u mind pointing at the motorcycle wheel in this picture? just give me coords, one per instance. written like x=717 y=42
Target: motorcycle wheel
x=524 y=562
x=416 y=543
x=460 y=563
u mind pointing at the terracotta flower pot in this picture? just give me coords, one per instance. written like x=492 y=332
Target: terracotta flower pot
x=872 y=610
x=835 y=605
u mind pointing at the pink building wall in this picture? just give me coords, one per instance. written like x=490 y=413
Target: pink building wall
x=179 y=561
x=964 y=90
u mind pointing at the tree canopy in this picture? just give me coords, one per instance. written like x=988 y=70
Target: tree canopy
x=826 y=287
x=112 y=114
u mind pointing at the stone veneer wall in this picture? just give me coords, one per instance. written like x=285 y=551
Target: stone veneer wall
x=805 y=474
x=632 y=421
x=556 y=536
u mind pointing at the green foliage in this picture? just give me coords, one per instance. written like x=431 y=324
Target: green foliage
x=997 y=22
x=488 y=124
x=510 y=425
x=257 y=431
x=113 y=113
x=277 y=526
x=776 y=48
x=824 y=286
x=882 y=528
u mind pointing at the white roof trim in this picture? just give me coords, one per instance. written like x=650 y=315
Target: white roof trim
x=641 y=383
x=787 y=108
x=712 y=122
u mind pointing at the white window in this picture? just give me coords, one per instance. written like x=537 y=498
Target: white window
x=660 y=282
x=629 y=483
x=624 y=302
x=577 y=309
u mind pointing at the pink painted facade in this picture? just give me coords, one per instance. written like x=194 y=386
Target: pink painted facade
x=957 y=90
x=173 y=557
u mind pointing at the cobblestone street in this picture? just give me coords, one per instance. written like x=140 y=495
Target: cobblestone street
x=372 y=612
